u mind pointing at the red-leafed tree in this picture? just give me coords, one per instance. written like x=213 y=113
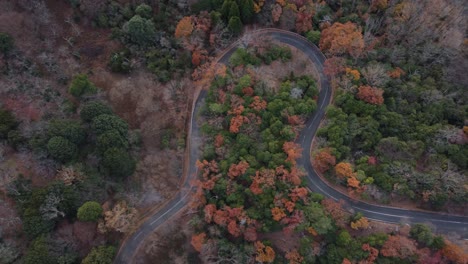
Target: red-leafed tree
x=249 y=91
x=235 y=170
x=209 y=211
x=399 y=247
x=324 y=160
x=258 y=104
x=219 y=141
x=341 y=38
x=304 y=21
x=198 y=241
x=250 y=234
x=221 y=217
x=298 y=193
x=233 y=228
x=373 y=253
x=370 y=95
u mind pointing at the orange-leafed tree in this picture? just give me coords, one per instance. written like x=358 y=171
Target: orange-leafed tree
x=344 y=170
x=235 y=170
x=198 y=241
x=353 y=182
x=258 y=103
x=373 y=253
x=396 y=73
x=294 y=257
x=370 y=95
x=236 y=123
x=346 y=261
x=265 y=254
x=184 y=28
x=264 y=178
x=339 y=39
x=293 y=150
x=399 y=247
x=362 y=223
x=277 y=213
x=354 y=73
x=324 y=160
x=454 y=253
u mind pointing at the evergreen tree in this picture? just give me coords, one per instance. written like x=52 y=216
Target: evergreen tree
x=235 y=25
x=233 y=10
x=247 y=11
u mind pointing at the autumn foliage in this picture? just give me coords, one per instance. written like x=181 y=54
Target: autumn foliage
x=454 y=253
x=184 y=28
x=198 y=241
x=344 y=170
x=370 y=95
x=324 y=160
x=294 y=257
x=235 y=170
x=277 y=213
x=362 y=223
x=341 y=38
x=293 y=150
x=265 y=254
x=373 y=253
x=399 y=247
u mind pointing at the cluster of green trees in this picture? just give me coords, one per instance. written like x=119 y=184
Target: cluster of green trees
x=92 y=154
x=254 y=57
x=415 y=137
x=146 y=34
x=9 y=128
x=257 y=146
x=100 y=131
x=234 y=13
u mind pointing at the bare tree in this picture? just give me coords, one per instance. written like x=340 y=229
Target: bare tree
x=375 y=74
x=49 y=208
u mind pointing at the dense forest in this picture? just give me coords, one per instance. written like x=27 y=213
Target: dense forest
x=95 y=98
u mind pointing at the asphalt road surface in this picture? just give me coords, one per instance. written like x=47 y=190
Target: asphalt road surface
x=442 y=222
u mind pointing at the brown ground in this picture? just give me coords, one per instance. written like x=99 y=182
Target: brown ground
x=47 y=36
x=169 y=244
x=273 y=74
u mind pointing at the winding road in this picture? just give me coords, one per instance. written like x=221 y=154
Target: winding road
x=442 y=222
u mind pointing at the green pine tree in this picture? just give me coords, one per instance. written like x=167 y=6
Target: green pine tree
x=235 y=25
x=247 y=11
x=233 y=10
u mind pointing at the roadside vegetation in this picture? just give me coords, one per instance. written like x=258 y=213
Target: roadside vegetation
x=95 y=97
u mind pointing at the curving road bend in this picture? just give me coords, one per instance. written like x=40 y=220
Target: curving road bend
x=442 y=222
